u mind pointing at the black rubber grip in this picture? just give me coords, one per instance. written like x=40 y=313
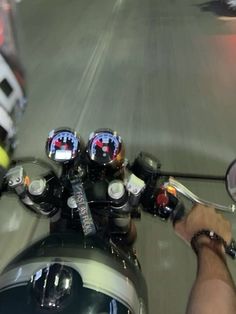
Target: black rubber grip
x=178 y=213
x=231 y=249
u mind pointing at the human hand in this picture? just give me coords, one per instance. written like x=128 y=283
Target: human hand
x=203 y=217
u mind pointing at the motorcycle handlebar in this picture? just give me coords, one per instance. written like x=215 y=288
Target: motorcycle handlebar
x=176 y=210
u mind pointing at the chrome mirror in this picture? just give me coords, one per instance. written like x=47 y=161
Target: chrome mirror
x=230 y=180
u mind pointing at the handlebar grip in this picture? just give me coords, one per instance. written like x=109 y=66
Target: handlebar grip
x=178 y=213
x=231 y=249
x=2 y=178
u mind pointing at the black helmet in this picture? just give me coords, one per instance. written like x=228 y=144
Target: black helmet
x=86 y=280
x=58 y=289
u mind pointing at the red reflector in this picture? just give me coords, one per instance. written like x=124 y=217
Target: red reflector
x=1 y=33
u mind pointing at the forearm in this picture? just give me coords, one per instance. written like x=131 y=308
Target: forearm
x=213 y=290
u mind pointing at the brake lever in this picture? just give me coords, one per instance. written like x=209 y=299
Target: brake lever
x=229 y=249
x=195 y=199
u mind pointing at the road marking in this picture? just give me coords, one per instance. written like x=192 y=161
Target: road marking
x=94 y=65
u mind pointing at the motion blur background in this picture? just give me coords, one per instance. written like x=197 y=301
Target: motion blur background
x=163 y=74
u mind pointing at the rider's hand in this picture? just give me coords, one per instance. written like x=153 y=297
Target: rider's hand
x=202 y=217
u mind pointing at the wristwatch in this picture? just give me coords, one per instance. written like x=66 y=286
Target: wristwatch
x=208 y=238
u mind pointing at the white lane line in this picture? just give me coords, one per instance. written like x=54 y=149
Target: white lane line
x=95 y=64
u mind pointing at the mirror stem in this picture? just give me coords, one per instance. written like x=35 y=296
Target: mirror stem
x=192 y=176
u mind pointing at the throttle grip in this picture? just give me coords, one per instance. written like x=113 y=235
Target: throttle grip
x=178 y=213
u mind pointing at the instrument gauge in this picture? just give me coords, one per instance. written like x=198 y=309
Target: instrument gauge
x=105 y=147
x=63 y=145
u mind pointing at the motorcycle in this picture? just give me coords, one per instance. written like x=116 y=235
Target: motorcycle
x=87 y=263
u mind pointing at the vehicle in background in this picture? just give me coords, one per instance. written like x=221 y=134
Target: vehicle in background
x=12 y=83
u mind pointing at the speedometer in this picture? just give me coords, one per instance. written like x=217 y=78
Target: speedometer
x=62 y=145
x=105 y=147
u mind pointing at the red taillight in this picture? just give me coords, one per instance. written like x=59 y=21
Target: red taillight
x=1 y=33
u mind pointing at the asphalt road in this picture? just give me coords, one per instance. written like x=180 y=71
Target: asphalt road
x=161 y=73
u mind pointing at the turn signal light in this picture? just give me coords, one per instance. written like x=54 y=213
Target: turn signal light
x=170 y=189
